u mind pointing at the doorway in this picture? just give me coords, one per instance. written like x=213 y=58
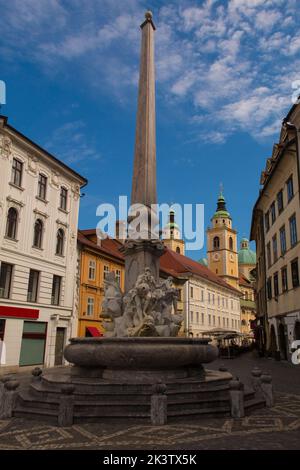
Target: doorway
x=282 y=342
x=273 y=345
x=297 y=331
x=59 y=346
x=33 y=343
x=2 y=329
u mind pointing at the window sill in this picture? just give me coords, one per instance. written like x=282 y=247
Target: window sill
x=11 y=239
x=63 y=210
x=37 y=248
x=41 y=199
x=59 y=256
x=16 y=186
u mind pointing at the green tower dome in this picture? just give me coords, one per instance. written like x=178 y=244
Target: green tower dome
x=172 y=224
x=203 y=261
x=245 y=254
x=221 y=211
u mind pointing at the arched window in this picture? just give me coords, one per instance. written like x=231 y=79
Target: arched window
x=230 y=243
x=178 y=250
x=60 y=238
x=38 y=234
x=216 y=242
x=11 y=223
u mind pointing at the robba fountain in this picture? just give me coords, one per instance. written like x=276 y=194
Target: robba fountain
x=141 y=369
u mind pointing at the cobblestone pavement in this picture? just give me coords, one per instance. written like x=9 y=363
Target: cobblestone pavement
x=276 y=428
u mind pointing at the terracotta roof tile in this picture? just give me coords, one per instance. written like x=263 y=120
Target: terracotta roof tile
x=182 y=264
x=108 y=247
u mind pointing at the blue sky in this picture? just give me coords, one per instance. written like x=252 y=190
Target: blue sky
x=224 y=75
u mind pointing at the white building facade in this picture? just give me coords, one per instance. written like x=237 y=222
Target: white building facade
x=39 y=206
x=207 y=301
x=210 y=306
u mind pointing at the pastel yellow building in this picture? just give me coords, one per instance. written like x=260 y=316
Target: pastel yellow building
x=97 y=259
x=275 y=229
x=248 y=306
x=247 y=264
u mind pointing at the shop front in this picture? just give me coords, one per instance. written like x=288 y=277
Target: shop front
x=22 y=335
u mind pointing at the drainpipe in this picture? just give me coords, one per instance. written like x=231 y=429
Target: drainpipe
x=187 y=307
x=266 y=325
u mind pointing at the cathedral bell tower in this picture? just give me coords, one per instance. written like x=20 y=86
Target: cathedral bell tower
x=171 y=235
x=222 y=251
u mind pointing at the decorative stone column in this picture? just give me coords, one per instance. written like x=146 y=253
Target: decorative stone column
x=36 y=374
x=3 y=380
x=9 y=398
x=159 y=404
x=267 y=389
x=237 y=399
x=66 y=406
x=256 y=379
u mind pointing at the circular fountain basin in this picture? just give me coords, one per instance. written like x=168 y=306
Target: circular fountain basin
x=144 y=353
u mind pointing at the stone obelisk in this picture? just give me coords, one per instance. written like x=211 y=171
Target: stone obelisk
x=144 y=251
x=144 y=173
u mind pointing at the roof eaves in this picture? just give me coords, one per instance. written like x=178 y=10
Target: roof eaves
x=40 y=149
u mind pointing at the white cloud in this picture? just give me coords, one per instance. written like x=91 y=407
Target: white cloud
x=181 y=87
x=266 y=20
x=70 y=143
x=294 y=45
x=257 y=112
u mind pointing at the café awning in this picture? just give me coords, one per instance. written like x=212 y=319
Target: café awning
x=94 y=331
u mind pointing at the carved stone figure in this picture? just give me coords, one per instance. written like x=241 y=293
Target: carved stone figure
x=146 y=310
x=112 y=303
x=5 y=146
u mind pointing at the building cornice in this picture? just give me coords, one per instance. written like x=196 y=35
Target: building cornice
x=32 y=147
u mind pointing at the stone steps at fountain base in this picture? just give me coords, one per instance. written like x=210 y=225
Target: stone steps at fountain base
x=41 y=392
x=255 y=403
x=45 y=398
x=34 y=414
x=25 y=400
x=29 y=406
x=184 y=415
